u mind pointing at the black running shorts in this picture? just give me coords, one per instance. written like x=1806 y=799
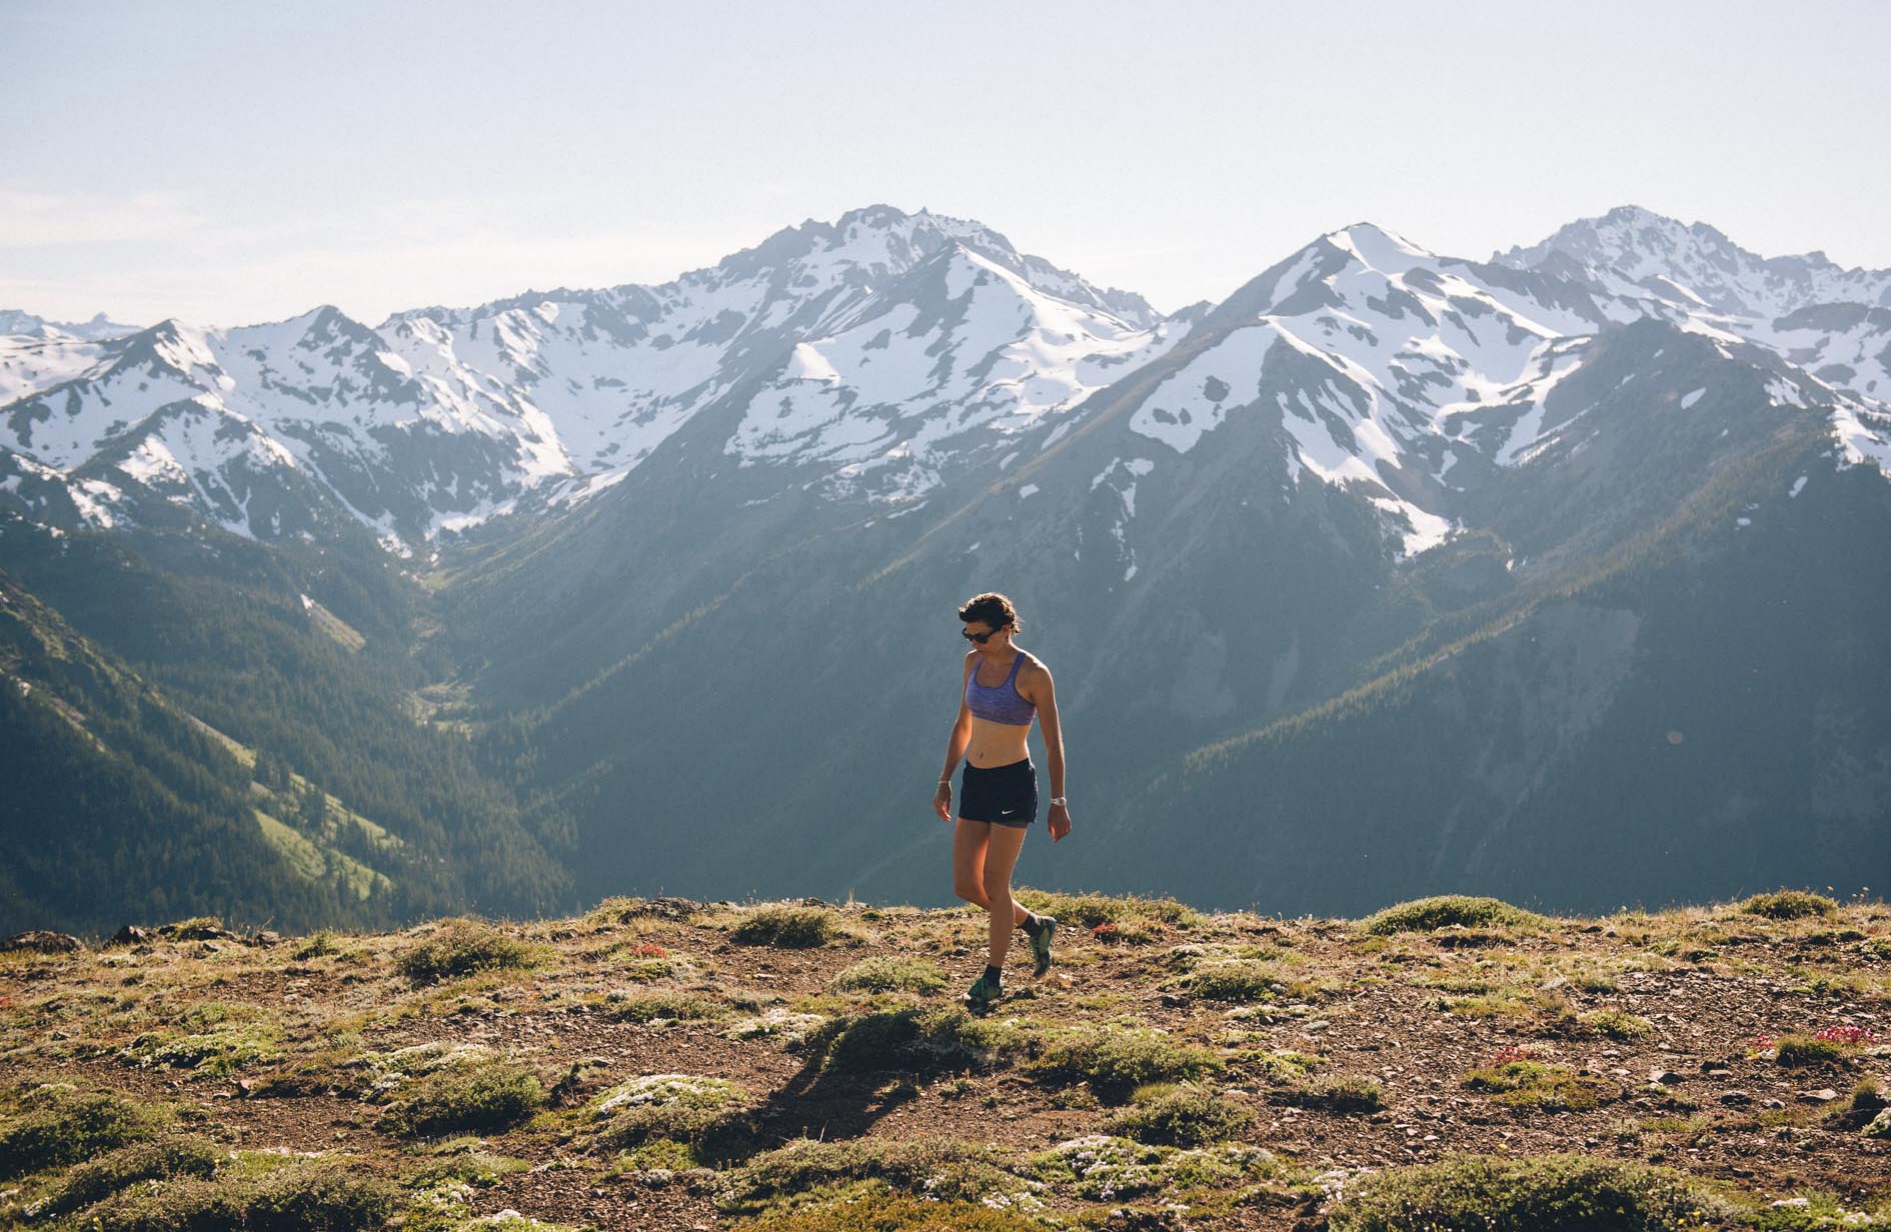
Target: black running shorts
x=1002 y=795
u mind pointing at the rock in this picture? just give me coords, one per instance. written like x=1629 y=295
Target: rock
x=199 y=932
x=1735 y=1099
x=131 y=934
x=1664 y=1077
x=1773 y=1104
x=42 y=941
x=1824 y=1095
x=1880 y=1126
x=1715 y=1069
x=265 y=938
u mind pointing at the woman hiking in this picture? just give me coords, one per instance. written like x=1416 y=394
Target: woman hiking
x=1002 y=690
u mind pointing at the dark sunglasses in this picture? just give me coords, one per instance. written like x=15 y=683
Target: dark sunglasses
x=980 y=638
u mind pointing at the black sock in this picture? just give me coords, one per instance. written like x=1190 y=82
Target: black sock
x=993 y=974
x=1031 y=923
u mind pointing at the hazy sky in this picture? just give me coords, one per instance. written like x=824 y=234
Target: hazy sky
x=228 y=163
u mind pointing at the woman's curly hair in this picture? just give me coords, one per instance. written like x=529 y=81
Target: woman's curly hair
x=993 y=609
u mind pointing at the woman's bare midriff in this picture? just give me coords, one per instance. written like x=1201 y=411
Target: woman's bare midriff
x=996 y=744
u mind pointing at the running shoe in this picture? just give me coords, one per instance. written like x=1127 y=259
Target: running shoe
x=985 y=991
x=1041 y=944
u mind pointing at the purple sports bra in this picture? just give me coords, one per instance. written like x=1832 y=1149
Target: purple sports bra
x=1003 y=704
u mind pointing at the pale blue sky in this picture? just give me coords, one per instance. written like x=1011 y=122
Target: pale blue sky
x=237 y=162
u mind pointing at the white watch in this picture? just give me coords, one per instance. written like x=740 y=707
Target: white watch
x=1060 y=800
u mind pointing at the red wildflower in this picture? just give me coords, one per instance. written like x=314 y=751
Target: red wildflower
x=1847 y=1035
x=1507 y=1054
x=647 y=950
x=1763 y=1042
x=1104 y=931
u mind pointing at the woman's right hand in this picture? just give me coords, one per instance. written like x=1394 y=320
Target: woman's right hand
x=942 y=802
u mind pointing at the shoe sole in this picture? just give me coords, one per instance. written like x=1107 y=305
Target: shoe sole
x=1044 y=959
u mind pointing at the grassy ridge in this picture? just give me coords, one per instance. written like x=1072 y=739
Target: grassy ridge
x=1446 y=1063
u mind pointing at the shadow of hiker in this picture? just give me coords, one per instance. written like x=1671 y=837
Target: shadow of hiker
x=843 y=1086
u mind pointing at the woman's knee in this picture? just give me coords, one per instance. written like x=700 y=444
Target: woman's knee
x=970 y=891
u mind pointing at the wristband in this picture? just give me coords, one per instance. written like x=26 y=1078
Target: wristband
x=1060 y=800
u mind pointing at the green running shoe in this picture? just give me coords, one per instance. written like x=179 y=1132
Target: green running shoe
x=984 y=991
x=1041 y=944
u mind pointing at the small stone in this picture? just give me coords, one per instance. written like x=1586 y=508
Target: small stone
x=1774 y=1104
x=1824 y=1095
x=1734 y=1099
x=1664 y=1077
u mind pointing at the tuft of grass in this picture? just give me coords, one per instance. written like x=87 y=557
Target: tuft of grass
x=230 y=1047
x=460 y=947
x=806 y=1172
x=1618 y=1024
x=897 y=1214
x=1805 y=1051
x=693 y=1113
x=487 y=1095
x=1789 y=905
x=891 y=974
x=1445 y=911
x=1115 y=1062
x=1332 y=1093
x=1534 y=1084
x=1551 y=1193
x=63 y=1126
x=788 y=928
x=1087 y=911
x=926 y=1040
x=317 y=945
x=1237 y=980
x=158 y=1160
x=1187 y=1115
x=303 y=1196
x=652 y=1006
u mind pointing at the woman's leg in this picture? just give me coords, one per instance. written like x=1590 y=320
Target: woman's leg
x=970 y=841
x=1001 y=856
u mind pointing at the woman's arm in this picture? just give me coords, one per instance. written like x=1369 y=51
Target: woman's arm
x=1044 y=695
x=955 y=746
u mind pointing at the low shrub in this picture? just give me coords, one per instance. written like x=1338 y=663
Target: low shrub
x=1115 y=1063
x=159 y=1160
x=303 y=1196
x=897 y=1214
x=651 y=1006
x=317 y=945
x=1443 y=911
x=927 y=1040
x=1789 y=905
x=790 y=928
x=1333 y=1093
x=1618 y=1024
x=1805 y=1051
x=490 y=1095
x=1087 y=911
x=460 y=947
x=63 y=1126
x=1534 y=1084
x=1552 y=1193
x=806 y=1171
x=1237 y=980
x=891 y=974
x=1180 y=1116
x=685 y=1109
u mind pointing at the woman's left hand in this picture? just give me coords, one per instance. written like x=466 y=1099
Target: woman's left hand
x=1059 y=821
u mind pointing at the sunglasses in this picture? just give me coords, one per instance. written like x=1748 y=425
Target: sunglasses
x=980 y=638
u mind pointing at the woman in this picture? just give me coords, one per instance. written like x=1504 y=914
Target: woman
x=1002 y=689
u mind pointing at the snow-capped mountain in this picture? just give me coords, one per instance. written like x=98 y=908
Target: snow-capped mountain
x=438 y=419
x=98 y=329
x=878 y=356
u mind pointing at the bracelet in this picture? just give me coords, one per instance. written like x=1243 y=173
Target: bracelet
x=1060 y=800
